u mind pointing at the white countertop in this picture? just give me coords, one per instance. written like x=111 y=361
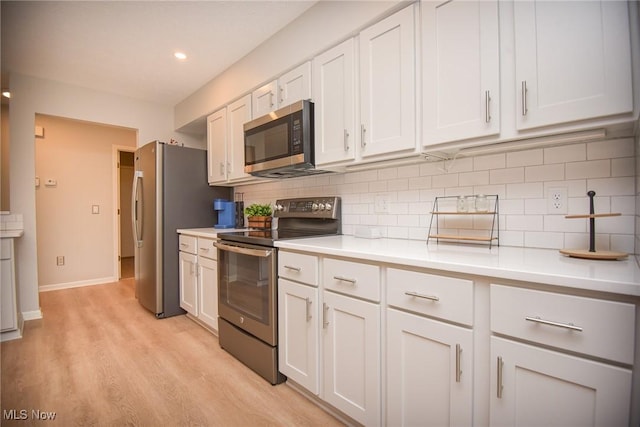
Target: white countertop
x=210 y=232
x=545 y=266
x=11 y=234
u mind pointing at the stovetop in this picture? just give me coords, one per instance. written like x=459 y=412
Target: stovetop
x=297 y=218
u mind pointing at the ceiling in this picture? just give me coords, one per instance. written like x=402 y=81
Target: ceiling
x=127 y=47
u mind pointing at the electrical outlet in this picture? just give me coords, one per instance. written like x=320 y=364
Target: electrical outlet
x=557 y=200
x=60 y=260
x=381 y=204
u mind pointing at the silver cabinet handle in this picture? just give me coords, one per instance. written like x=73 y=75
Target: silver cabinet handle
x=296 y=269
x=524 y=98
x=184 y=245
x=204 y=249
x=244 y=251
x=345 y=279
x=458 y=367
x=281 y=94
x=325 y=309
x=271 y=99
x=500 y=366
x=363 y=130
x=487 y=106
x=346 y=140
x=417 y=295
x=221 y=168
x=552 y=323
x=308 y=309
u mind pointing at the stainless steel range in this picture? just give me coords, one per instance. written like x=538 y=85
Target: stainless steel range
x=247 y=280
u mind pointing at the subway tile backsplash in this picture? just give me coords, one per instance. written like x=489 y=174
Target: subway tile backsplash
x=522 y=180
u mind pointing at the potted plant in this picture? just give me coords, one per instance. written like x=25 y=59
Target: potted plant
x=259 y=215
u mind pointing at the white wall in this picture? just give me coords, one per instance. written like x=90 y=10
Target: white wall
x=31 y=96
x=521 y=179
x=79 y=156
x=322 y=26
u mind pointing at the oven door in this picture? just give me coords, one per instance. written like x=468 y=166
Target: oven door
x=247 y=288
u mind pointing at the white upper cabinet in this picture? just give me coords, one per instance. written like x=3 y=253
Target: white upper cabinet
x=292 y=86
x=217 y=146
x=461 y=69
x=295 y=85
x=388 y=85
x=225 y=142
x=334 y=98
x=572 y=61
x=238 y=113
x=265 y=99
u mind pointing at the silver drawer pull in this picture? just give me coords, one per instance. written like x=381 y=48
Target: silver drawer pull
x=297 y=269
x=204 y=249
x=417 y=295
x=184 y=245
x=344 y=279
x=308 y=306
x=552 y=323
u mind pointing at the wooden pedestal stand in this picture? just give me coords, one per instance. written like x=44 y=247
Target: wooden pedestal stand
x=591 y=253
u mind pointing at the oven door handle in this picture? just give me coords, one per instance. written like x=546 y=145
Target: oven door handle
x=262 y=253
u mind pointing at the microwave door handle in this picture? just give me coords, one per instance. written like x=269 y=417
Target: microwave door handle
x=262 y=253
x=137 y=206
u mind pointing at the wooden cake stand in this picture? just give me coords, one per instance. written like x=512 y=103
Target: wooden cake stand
x=591 y=253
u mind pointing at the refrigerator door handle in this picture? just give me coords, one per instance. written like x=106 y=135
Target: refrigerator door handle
x=137 y=206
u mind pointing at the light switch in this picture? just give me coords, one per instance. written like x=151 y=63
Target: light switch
x=95 y=209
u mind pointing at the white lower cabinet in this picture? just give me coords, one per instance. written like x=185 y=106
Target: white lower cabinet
x=429 y=372
x=199 y=279
x=533 y=386
x=188 y=283
x=298 y=333
x=351 y=350
x=208 y=291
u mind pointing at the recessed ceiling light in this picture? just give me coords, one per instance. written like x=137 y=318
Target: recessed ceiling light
x=180 y=55
x=6 y=94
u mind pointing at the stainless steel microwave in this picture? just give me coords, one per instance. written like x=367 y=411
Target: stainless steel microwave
x=280 y=144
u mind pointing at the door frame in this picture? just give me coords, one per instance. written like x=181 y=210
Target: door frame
x=117 y=220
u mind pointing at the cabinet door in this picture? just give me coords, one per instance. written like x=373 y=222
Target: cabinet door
x=429 y=372
x=295 y=85
x=264 y=99
x=334 y=97
x=8 y=312
x=208 y=292
x=531 y=386
x=461 y=70
x=188 y=283
x=217 y=146
x=238 y=113
x=351 y=339
x=387 y=85
x=298 y=333
x=573 y=61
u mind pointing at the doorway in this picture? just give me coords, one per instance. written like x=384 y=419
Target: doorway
x=126 y=252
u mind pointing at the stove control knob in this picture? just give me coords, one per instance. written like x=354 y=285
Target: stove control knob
x=321 y=206
x=314 y=207
x=328 y=206
x=278 y=207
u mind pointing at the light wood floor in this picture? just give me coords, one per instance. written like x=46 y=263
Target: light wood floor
x=98 y=358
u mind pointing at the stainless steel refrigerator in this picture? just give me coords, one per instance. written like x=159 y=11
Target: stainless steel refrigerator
x=170 y=191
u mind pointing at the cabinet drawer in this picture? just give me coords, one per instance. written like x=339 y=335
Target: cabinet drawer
x=585 y=325
x=351 y=278
x=443 y=297
x=188 y=244
x=206 y=248
x=298 y=267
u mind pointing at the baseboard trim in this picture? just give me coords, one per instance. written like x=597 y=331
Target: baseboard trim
x=31 y=315
x=78 y=284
